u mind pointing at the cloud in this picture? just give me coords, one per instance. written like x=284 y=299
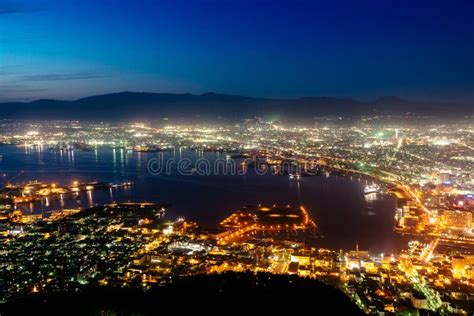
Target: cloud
x=4 y=91
x=19 y=92
x=18 y=87
x=60 y=77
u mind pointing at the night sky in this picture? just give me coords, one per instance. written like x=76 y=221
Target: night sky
x=363 y=49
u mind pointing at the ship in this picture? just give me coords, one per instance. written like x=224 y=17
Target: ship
x=294 y=176
x=373 y=188
x=145 y=149
x=97 y=185
x=237 y=156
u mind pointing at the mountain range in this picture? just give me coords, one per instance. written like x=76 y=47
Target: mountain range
x=150 y=106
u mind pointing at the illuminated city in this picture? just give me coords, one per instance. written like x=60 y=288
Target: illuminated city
x=127 y=242
x=236 y=156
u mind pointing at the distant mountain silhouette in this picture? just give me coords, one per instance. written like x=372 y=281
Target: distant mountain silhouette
x=139 y=105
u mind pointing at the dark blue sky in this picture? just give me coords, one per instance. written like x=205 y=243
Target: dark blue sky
x=363 y=49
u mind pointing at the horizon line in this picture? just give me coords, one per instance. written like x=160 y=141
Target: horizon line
x=361 y=100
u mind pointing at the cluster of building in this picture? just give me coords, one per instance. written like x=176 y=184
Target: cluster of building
x=77 y=248
x=413 y=152
x=429 y=168
x=133 y=245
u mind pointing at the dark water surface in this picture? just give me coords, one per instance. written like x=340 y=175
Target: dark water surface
x=343 y=213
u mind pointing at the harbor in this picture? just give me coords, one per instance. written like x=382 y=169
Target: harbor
x=34 y=191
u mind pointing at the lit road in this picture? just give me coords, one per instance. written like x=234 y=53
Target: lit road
x=419 y=284
x=429 y=251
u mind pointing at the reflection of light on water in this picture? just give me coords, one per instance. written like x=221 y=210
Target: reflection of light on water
x=111 y=194
x=90 y=201
x=46 y=201
x=126 y=189
x=114 y=157
x=96 y=156
x=370 y=197
x=139 y=160
x=61 y=200
x=78 y=200
x=199 y=153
